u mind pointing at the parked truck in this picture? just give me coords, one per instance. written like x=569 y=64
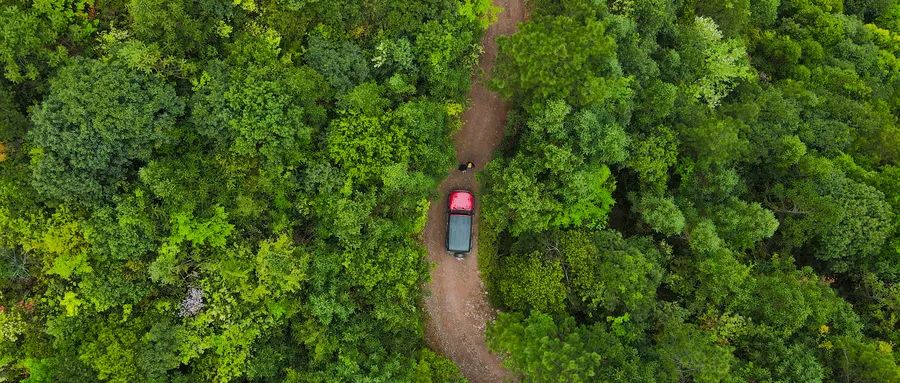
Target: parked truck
x=460 y=213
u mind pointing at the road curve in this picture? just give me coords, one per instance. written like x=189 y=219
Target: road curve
x=456 y=302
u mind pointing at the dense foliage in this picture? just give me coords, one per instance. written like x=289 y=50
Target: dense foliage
x=698 y=191
x=224 y=190
x=233 y=190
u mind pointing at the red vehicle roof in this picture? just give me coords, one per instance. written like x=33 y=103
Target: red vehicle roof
x=461 y=200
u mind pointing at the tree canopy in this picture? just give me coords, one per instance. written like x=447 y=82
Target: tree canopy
x=236 y=191
x=751 y=229
x=224 y=191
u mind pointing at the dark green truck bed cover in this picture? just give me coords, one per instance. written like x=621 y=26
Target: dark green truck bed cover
x=459 y=233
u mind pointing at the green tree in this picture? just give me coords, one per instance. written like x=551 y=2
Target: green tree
x=790 y=301
x=571 y=196
x=775 y=361
x=557 y=58
x=433 y=368
x=600 y=139
x=12 y=123
x=731 y=15
x=444 y=56
x=531 y=283
x=763 y=13
x=609 y=275
x=713 y=65
x=856 y=360
x=741 y=225
x=660 y=213
x=259 y=110
x=843 y=219
x=711 y=275
x=363 y=145
x=29 y=39
x=21 y=39
x=652 y=155
x=180 y=28
x=543 y=350
x=341 y=63
x=99 y=123
x=689 y=353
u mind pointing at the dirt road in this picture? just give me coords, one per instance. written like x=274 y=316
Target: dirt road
x=457 y=303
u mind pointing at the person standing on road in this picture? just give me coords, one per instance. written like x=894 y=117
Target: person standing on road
x=466 y=166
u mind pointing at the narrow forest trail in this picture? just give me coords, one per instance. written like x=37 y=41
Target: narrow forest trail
x=457 y=302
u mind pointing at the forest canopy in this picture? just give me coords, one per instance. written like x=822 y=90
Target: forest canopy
x=734 y=169
x=222 y=191
x=235 y=190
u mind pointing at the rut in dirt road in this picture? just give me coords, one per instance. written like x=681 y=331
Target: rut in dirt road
x=457 y=302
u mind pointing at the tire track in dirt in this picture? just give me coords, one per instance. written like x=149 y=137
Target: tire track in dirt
x=457 y=305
